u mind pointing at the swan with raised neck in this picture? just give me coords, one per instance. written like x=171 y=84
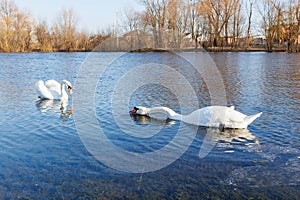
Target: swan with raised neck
x=51 y=89
x=211 y=116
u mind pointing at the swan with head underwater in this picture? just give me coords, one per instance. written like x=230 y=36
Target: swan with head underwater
x=51 y=89
x=211 y=116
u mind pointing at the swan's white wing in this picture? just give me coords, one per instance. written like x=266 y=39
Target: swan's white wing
x=235 y=116
x=53 y=85
x=43 y=91
x=200 y=117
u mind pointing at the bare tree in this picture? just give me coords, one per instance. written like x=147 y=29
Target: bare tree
x=204 y=27
x=292 y=26
x=250 y=8
x=131 y=25
x=44 y=37
x=238 y=22
x=297 y=13
x=197 y=21
x=172 y=13
x=8 y=11
x=273 y=24
x=267 y=11
x=65 y=30
x=83 y=41
x=156 y=11
x=278 y=30
x=130 y=19
x=15 y=28
x=230 y=8
x=178 y=15
x=219 y=13
x=22 y=28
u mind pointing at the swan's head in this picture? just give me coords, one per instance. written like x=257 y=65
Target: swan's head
x=140 y=110
x=69 y=86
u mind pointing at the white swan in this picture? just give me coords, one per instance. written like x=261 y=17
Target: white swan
x=211 y=116
x=51 y=89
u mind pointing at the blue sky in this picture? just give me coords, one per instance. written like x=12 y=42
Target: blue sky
x=93 y=15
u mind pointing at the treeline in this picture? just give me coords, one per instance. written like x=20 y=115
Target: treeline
x=163 y=24
x=221 y=23
x=19 y=32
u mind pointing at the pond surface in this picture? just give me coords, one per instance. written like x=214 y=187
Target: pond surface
x=44 y=156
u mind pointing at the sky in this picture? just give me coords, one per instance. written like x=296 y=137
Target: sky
x=93 y=15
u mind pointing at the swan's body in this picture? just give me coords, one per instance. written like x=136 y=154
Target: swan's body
x=211 y=116
x=51 y=89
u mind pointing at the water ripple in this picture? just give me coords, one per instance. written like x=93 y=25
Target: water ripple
x=43 y=157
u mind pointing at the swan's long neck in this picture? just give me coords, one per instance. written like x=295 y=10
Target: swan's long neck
x=170 y=113
x=64 y=94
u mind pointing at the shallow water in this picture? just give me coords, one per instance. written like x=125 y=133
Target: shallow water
x=44 y=156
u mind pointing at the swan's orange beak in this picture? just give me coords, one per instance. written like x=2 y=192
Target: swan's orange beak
x=133 y=111
x=71 y=110
x=70 y=90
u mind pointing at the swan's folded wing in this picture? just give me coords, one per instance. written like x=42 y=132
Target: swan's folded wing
x=53 y=85
x=43 y=91
x=235 y=116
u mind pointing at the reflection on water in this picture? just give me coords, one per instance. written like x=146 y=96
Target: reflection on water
x=215 y=136
x=144 y=120
x=54 y=106
x=212 y=135
x=228 y=135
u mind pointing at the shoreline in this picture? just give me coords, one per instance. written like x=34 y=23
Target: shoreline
x=251 y=49
x=211 y=49
x=149 y=50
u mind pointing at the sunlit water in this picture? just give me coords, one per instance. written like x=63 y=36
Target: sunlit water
x=42 y=155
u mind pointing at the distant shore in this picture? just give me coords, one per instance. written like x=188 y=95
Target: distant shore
x=211 y=49
x=251 y=49
x=148 y=50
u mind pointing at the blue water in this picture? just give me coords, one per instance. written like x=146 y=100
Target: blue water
x=43 y=156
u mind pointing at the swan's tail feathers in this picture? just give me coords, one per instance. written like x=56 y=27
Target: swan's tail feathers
x=251 y=118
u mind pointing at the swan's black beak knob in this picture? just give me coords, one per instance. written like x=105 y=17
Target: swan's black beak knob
x=70 y=90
